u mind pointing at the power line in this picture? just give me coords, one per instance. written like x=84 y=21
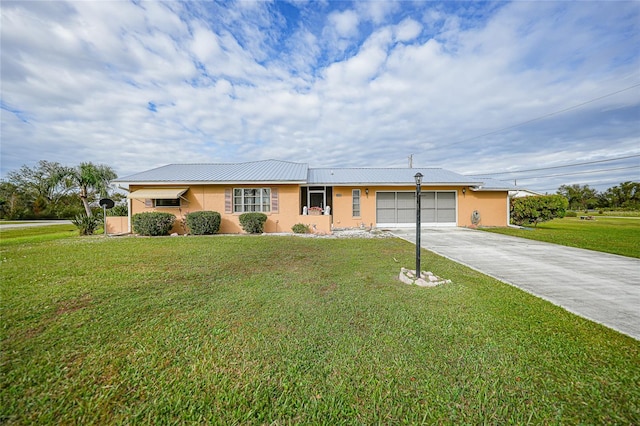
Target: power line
x=551 y=114
x=566 y=165
x=580 y=173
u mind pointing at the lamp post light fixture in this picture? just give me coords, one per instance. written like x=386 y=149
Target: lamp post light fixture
x=418 y=178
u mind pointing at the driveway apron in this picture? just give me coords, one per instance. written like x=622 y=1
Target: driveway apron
x=598 y=286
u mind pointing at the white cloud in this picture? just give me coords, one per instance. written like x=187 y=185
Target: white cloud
x=205 y=44
x=377 y=11
x=407 y=30
x=345 y=24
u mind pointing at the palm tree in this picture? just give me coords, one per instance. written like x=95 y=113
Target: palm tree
x=88 y=177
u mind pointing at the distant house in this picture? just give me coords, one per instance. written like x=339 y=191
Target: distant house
x=524 y=193
x=514 y=191
x=324 y=198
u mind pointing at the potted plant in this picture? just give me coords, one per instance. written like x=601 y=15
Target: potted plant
x=315 y=211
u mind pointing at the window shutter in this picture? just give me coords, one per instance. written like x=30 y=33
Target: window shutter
x=274 y=200
x=228 y=201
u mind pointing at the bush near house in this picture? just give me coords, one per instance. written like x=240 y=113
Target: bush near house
x=300 y=228
x=152 y=223
x=533 y=210
x=203 y=222
x=253 y=223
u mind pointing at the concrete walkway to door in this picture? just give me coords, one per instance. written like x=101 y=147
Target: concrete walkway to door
x=601 y=287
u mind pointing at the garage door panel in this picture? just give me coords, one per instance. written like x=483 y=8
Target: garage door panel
x=406 y=200
x=446 y=200
x=386 y=216
x=446 y=216
x=407 y=215
x=386 y=200
x=428 y=200
x=427 y=215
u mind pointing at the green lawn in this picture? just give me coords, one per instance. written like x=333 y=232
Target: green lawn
x=34 y=234
x=611 y=235
x=280 y=330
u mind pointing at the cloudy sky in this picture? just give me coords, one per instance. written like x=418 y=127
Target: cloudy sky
x=547 y=93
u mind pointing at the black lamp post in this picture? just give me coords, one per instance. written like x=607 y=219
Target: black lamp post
x=418 y=178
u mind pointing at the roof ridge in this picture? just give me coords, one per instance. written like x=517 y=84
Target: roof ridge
x=375 y=168
x=231 y=164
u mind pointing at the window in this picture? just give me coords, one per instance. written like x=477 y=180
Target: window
x=251 y=200
x=355 y=207
x=167 y=202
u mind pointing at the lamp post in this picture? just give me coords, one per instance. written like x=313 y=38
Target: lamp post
x=418 y=178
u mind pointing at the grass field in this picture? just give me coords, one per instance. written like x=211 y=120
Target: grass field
x=607 y=234
x=15 y=236
x=279 y=330
x=615 y=213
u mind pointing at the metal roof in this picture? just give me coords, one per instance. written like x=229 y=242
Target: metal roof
x=276 y=171
x=255 y=171
x=387 y=176
x=489 y=184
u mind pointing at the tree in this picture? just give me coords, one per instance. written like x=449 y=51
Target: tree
x=41 y=188
x=625 y=195
x=527 y=210
x=580 y=197
x=89 y=178
x=13 y=202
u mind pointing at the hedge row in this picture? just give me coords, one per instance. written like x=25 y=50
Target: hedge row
x=199 y=223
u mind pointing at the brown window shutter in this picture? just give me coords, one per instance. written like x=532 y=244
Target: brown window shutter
x=228 y=201
x=274 y=200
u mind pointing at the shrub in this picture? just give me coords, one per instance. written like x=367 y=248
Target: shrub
x=300 y=228
x=571 y=214
x=203 y=223
x=253 y=223
x=533 y=210
x=152 y=223
x=87 y=225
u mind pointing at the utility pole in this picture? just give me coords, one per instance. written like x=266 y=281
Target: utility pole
x=411 y=161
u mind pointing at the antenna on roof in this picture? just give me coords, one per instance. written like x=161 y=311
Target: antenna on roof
x=411 y=161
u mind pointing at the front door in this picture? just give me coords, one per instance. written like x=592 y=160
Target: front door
x=317 y=199
x=315 y=196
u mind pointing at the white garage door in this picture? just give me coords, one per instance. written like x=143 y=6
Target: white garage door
x=399 y=208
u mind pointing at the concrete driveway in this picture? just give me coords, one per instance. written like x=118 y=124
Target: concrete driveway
x=601 y=287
